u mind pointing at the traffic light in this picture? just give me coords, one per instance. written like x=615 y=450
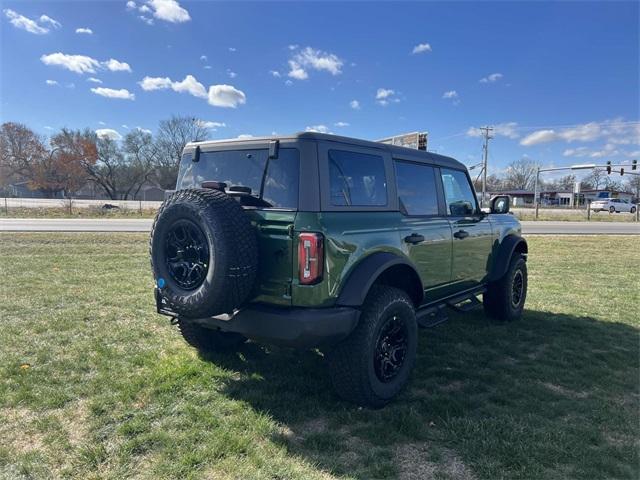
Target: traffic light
x=621 y=171
x=609 y=167
x=634 y=164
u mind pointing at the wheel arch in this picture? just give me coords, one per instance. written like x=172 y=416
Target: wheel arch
x=510 y=245
x=381 y=268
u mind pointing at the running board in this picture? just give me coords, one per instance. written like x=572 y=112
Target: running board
x=434 y=314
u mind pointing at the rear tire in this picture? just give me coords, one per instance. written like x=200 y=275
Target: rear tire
x=374 y=363
x=504 y=299
x=207 y=340
x=633 y=210
x=612 y=209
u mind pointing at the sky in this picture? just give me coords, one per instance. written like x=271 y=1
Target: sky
x=558 y=81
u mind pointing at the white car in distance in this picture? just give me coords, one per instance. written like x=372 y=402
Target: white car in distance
x=613 y=205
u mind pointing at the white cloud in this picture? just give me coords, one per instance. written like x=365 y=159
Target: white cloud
x=50 y=21
x=313 y=59
x=144 y=130
x=82 y=63
x=450 y=94
x=226 y=96
x=421 y=48
x=109 y=133
x=88 y=31
x=218 y=95
x=122 y=93
x=47 y=127
x=155 y=83
x=288 y=83
x=341 y=124
x=207 y=67
x=101 y=123
x=232 y=49
x=494 y=77
x=385 y=96
x=125 y=126
x=169 y=11
x=116 y=66
x=147 y=20
x=275 y=73
x=29 y=25
x=318 y=129
x=540 y=136
x=355 y=104
x=190 y=85
x=203 y=58
x=211 y=125
x=131 y=5
x=94 y=80
x=244 y=136
x=52 y=82
x=144 y=9
x=231 y=73
x=508 y=130
x=75 y=63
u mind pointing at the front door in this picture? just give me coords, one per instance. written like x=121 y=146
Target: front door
x=471 y=229
x=425 y=230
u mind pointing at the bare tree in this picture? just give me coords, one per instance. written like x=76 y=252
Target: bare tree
x=632 y=185
x=21 y=149
x=595 y=179
x=173 y=135
x=141 y=152
x=521 y=174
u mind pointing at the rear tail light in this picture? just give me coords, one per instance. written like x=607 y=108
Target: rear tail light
x=310 y=258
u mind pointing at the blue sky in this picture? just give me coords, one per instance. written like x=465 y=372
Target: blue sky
x=558 y=80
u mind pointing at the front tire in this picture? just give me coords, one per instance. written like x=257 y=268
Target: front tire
x=374 y=363
x=207 y=340
x=504 y=299
x=612 y=209
x=633 y=210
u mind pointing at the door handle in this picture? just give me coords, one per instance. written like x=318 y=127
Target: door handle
x=414 y=238
x=461 y=234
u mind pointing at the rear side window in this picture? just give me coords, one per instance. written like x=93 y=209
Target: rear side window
x=417 y=194
x=275 y=180
x=458 y=192
x=357 y=179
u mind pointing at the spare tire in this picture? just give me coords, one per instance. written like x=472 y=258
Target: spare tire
x=204 y=253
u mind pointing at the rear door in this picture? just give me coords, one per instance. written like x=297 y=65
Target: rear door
x=424 y=228
x=471 y=229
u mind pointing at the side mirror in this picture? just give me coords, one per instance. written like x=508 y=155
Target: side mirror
x=196 y=154
x=499 y=204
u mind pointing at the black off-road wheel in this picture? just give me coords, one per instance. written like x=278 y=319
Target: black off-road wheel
x=374 y=363
x=204 y=253
x=504 y=299
x=208 y=340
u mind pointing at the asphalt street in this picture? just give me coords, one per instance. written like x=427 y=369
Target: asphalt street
x=144 y=225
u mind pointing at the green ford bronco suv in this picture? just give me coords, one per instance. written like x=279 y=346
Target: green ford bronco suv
x=321 y=241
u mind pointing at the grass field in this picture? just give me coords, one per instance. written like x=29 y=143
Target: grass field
x=94 y=384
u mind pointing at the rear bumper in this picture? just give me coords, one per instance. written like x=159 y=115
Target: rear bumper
x=290 y=327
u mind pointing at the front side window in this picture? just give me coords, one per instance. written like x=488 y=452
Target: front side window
x=356 y=179
x=458 y=192
x=273 y=180
x=417 y=194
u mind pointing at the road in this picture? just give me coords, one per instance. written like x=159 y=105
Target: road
x=144 y=225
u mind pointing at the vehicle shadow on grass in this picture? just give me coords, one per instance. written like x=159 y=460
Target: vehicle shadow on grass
x=550 y=395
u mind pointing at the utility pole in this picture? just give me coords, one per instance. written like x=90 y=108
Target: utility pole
x=486 y=132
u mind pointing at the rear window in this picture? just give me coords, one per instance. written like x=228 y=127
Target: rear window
x=275 y=181
x=357 y=179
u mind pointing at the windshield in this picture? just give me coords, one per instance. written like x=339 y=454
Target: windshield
x=273 y=180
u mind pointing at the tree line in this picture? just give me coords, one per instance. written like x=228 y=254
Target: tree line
x=521 y=175
x=70 y=159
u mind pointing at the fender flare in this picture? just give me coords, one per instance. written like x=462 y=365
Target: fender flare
x=364 y=274
x=503 y=255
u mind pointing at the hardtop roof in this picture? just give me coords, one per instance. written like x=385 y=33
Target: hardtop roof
x=394 y=150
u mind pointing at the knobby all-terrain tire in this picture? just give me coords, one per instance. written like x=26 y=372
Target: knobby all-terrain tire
x=351 y=362
x=233 y=253
x=207 y=340
x=498 y=300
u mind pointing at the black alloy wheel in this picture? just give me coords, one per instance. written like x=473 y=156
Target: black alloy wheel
x=391 y=349
x=187 y=254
